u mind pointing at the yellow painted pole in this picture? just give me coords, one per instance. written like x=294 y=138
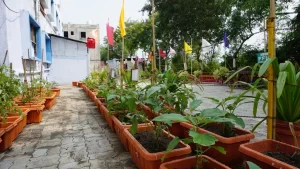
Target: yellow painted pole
x=153 y=50
x=271 y=84
x=122 y=64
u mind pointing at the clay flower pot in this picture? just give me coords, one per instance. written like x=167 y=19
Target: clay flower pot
x=23 y=117
x=80 y=84
x=74 y=83
x=145 y=160
x=1 y=134
x=190 y=162
x=232 y=157
x=150 y=114
x=283 y=132
x=7 y=137
x=17 y=129
x=119 y=129
x=35 y=114
x=254 y=152
x=107 y=117
x=50 y=101
x=56 y=91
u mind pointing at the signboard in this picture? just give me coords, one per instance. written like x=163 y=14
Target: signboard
x=262 y=57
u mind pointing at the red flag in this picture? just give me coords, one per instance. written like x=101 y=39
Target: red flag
x=110 y=34
x=162 y=53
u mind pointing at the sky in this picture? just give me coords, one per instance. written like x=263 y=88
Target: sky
x=98 y=12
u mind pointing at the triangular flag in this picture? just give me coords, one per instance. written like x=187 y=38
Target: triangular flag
x=122 y=22
x=110 y=34
x=187 y=48
x=206 y=46
x=226 y=41
x=172 y=52
x=162 y=53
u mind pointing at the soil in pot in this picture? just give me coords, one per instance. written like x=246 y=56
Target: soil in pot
x=292 y=160
x=219 y=130
x=147 y=140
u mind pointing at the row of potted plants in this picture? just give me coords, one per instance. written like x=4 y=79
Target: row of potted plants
x=155 y=112
x=21 y=103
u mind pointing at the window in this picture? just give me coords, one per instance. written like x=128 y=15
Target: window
x=35 y=39
x=82 y=34
x=48 y=49
x=66 y=34
x=72 y=33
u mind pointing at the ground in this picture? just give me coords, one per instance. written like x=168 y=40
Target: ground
x=73 y=134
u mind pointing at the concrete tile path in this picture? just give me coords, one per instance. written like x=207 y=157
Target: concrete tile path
x=72 y=135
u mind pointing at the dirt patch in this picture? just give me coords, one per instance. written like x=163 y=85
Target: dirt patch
x=292 y=160
x=220 y=131
x=148 y=141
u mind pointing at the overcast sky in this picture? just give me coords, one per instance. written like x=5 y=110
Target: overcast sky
x=98 y=11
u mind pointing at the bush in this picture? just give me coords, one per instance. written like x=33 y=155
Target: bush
x=221 y=73
x=197 y=73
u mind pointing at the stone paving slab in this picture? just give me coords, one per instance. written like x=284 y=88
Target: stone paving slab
x=74 y=135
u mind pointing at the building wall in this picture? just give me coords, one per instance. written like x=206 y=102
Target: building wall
x=92 y=31
x=70 y=61
x=3 y=32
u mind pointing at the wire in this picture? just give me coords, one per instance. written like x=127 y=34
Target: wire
x=9 y=7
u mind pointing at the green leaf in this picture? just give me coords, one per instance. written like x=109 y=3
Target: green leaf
x=152 y=90
x=239 y=121
x=220 y=149
x=111 y=96
x=170 y=118
x=265 y=66
x=203 y=139
x=171 y=147
x=281 y=83
x=213 y=100
x=131 y=104
x=134 y=127
x=213 y=112
x=255 y=103
x=194 y=104
x=187 y=140
x=252 y=165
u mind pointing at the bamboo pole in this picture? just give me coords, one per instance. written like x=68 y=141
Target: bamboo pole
x=24 y=69
x=184 y=62
x=153 y=36
x=192 y=57
x=271 y=84
x=11 y=70
x=41 y=74
x=30 y=73
x=5 y=57
x=122 y=63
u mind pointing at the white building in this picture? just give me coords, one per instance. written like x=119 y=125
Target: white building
x=82 y=32
x=24 y=28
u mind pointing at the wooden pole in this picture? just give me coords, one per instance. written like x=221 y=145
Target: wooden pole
x=192 y=57
x=41 y=74
x=11 y=70
x=184 y=64
x=24 y=69
x=271 y=85
x=30 y=73
x=109 y=73
x=122 y=64
x=153 y=35
x=5 y=57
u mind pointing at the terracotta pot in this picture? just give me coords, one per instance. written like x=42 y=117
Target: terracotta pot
x=283 y=132
x=107 y=117
x=74 y=83
x=150 y=114
x=254 y=152
x=7 y=137
x=190 y=162
x=50 y=101
x=17 y=129
x=177 y=130
x=119 y=129
x=145 y=160
x=35 y=114
x=102 y=99
x=1 y=134
x=232 y=158
x=56 y=91
x=80 y=84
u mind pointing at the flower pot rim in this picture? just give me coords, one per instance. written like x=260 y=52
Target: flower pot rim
x=163 y=166
x=56 y=89
x=118 y=122
x=50 y=97
x=34 y=107
x=230 y=140
x=9 y=127
x=2 y=132
x=186 y=149
x=17 y=120
x=269 y=160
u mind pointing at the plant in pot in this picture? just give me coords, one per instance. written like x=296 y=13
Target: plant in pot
x=54 y=88
x=221 y=74
x=49 y=95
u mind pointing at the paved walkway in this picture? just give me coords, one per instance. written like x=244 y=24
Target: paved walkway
x=72 y=135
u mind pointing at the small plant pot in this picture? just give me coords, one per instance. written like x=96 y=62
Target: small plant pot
x=254 y=152
x=2 y=132
x=35 y=114
x=177 y=130
x=232 y=158
x=18 y=128
x=150 y=114
x=80 y=84
x=74 y=83
x=107 y=117
x=145 y=160
x=284 y=134
x=119 y=129
x=7 y=137
x=50 y=101
x=56 y=91
x=190 y=162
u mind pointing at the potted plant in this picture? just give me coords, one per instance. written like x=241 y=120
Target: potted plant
x=74 y=83
x=54 y=88
x=272 y=154
x=221 y=74
x=48 y=94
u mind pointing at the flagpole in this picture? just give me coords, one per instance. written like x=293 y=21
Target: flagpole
x=191 y=57
x=153 y=34
x=185 y=66
x=122 y=60
x=159 y=62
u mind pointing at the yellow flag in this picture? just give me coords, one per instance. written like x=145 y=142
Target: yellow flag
x=122 y=22
x=187 y=48
x=150 y=56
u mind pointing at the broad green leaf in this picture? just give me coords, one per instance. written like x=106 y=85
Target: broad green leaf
x=213 y=112
x=252 y=165
x=255 y=103
x=111 y=96
x=187 y=140
x=169 y=118
x=236 y=73
x=131 y=104
x=152 y=90
x=171 y=147
x=265 y=66
x=254 y=70
x=134 y=127
x=239 y=121
x=202 y=139
x=281 y=83
x=194 y=104
x=213 y=100
x=220 y=149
